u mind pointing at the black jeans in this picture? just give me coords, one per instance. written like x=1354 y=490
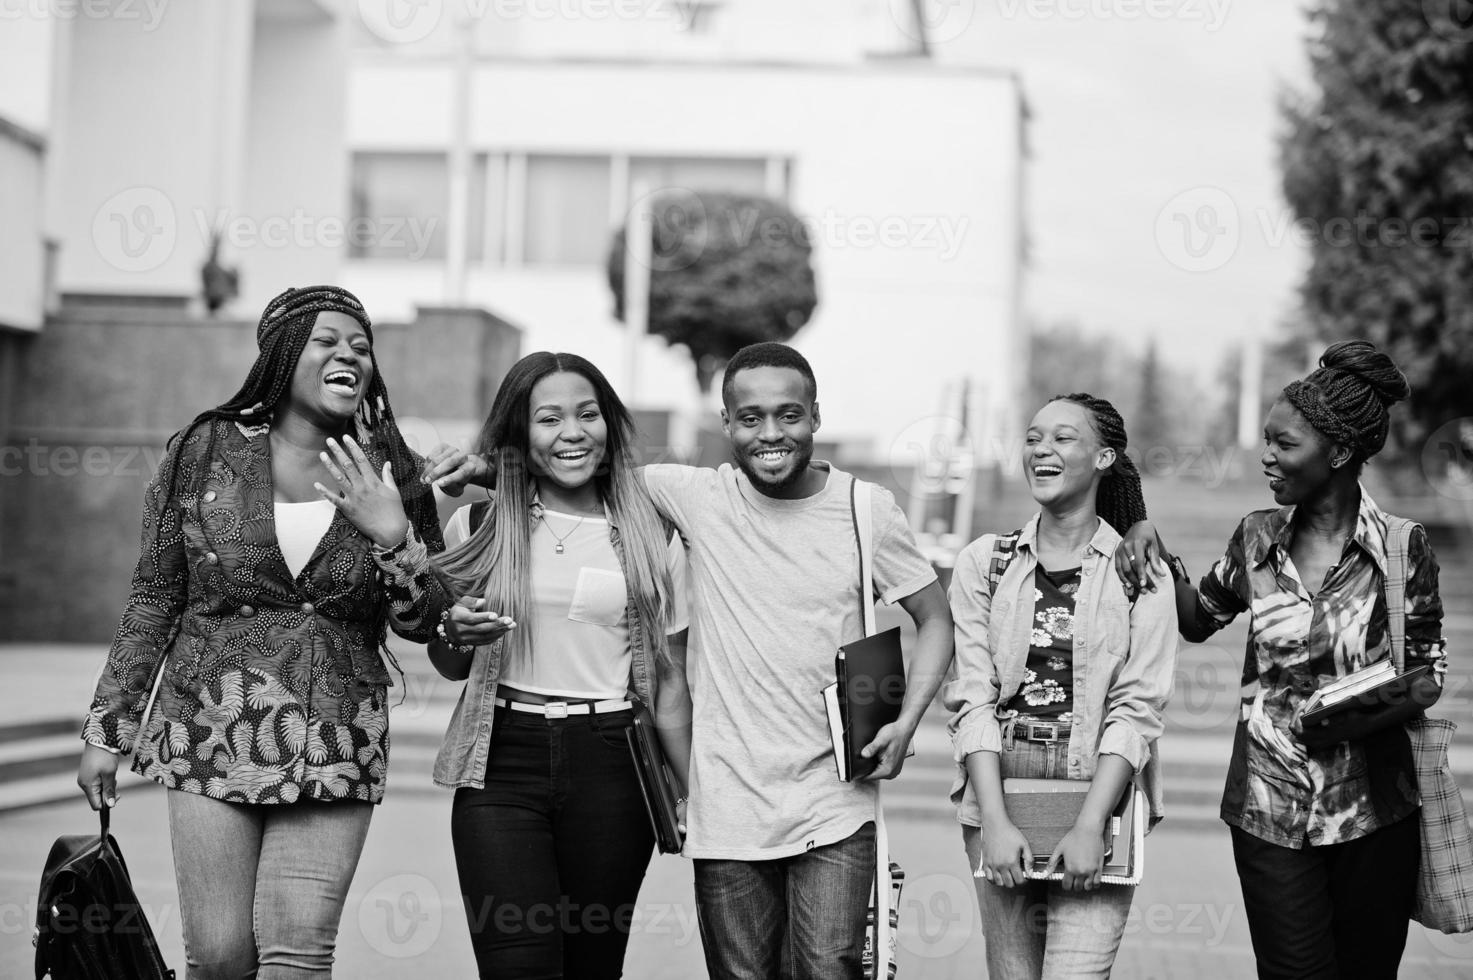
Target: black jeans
x=551 y=853
x=1340 y=910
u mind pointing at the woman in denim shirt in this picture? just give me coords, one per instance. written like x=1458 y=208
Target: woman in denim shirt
x=1058 y=675
x=1326 y=837
x=262 y=600
x=574 y=583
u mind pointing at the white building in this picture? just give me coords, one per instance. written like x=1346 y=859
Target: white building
x=315 y=136
x=908 y=174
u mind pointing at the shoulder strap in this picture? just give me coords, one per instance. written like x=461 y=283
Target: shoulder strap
x=1398 y=540
x=861 y=509
x=1004 y=547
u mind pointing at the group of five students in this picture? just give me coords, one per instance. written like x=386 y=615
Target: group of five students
x=291 y=527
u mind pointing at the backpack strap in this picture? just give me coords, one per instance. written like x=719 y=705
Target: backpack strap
x=1004 y=548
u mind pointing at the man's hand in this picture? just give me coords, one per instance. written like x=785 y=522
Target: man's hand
x=890 y=746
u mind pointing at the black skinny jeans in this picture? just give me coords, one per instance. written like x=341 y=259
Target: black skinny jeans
x=551 y=853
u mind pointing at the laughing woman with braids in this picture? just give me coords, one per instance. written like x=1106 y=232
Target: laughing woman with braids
x=1058 y=675
x=287 y=531
x=1325 y=836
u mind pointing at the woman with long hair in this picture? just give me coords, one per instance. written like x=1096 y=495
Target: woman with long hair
x=1325 y=835
x=1058 y=675
x=572 y=585
x=287 y=531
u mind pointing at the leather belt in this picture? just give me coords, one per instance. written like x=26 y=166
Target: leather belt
x=562 y=709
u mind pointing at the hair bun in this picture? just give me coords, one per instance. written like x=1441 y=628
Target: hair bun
x=1371 y=366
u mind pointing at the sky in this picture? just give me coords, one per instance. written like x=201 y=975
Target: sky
x=1154 y=207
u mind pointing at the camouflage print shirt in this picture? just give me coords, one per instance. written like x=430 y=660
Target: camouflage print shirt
x=1277 y=789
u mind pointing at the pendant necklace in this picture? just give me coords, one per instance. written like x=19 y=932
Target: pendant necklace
x=559 y=549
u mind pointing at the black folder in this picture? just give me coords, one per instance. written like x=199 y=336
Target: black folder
x=656 y=783
x=866 y=696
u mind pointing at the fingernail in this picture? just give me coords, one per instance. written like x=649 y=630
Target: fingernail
x=113 y=801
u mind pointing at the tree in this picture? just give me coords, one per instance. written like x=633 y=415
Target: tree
x=1151 y=424
x=728 y=270
x=1375 y=165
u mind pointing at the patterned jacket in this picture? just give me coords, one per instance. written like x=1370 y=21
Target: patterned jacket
x=1277 y=789
x=274 y=687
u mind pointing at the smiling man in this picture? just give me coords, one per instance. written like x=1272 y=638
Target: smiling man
x=785 y=852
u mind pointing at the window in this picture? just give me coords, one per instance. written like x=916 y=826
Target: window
x=744 y=176
x=567 y=210
x=399 y=202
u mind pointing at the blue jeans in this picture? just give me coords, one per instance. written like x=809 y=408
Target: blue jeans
x=262 y=886
x=801 y=917
x=552 y=851
x=1039 y=931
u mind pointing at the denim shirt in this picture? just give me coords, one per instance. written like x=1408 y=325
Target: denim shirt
x=467 y=744
x=1124 y=662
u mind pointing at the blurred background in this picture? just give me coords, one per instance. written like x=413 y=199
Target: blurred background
x=954 y=208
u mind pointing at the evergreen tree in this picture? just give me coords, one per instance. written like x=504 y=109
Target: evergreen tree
x=1378 y=162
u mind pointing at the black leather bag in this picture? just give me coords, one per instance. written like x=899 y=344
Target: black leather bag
x=89 y=923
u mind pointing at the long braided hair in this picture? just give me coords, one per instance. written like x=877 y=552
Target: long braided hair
x=1348 y=397
x=286 y=324
x=1119 y=501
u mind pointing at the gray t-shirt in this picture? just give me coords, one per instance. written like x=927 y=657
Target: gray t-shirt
x=774 y=592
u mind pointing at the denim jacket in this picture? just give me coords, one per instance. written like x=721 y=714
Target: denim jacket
x=467 y=744
x=1124 y=662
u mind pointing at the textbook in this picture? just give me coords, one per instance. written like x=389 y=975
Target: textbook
x=866 y=696
x=656 y=784
x=1044 y=810
x=1364 y=690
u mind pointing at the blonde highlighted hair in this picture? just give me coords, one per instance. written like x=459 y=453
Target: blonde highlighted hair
x=495 y=562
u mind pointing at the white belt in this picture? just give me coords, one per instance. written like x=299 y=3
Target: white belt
x=562 y=709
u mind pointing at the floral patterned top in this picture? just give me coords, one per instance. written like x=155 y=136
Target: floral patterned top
x=274 y=687
x=1277 y=789
x=1048 y=679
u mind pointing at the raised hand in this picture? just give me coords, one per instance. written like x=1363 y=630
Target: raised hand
x=372 y=503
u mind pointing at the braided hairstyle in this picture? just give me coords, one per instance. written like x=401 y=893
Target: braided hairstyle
x=1119 y=501
x=286 y=325
x=1348 y=397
